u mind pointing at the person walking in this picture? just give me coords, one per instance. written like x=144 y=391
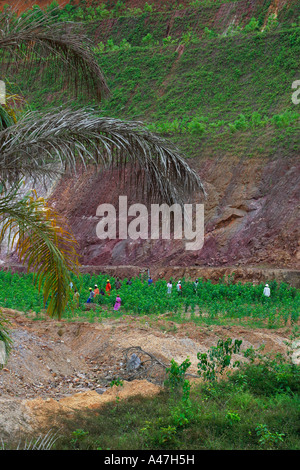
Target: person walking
x=179 y=288
x=96 y=291
x=267 y=292
x=118 y=303
x=169 y=287
x=196 y=286
x=91 y=296
x=108 y=287
x=118 y=284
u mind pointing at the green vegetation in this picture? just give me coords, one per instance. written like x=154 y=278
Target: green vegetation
x=216 y=90
x=256 y=407
x=219 y=303
x=230 y=93
x=199 y=10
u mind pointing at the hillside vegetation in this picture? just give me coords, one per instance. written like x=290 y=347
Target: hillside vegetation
x=200 y=74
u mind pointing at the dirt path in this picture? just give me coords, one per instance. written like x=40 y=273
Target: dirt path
x=59 y=366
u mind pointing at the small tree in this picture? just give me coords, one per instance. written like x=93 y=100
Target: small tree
x=213 y=363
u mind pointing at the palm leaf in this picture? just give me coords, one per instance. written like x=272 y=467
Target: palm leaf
x=34 y=41
x=38 y=237
x=8 y=111
x=48 y=144
x=6 y=119
x=4 y=333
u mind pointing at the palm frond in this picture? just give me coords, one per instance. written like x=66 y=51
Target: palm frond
x=9 y=111
x=4 y=333
x=6 y=118
x=34 y=41
x=42 y=442
x=47 y=144
x=37 y=235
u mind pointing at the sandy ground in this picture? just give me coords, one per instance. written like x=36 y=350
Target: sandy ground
x=59 y=366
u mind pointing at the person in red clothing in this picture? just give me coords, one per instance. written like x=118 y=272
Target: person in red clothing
x=96 y=290
x=108 y=287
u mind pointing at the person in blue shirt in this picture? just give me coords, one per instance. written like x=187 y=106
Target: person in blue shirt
x=91 y=296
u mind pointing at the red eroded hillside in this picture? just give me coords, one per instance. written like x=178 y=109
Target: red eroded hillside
x=251 y=217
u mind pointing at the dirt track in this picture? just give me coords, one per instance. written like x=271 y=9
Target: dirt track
x=57 y=366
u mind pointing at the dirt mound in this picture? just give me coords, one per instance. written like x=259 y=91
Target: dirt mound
x=45 y=413
x=18 y=417
x=57 y=367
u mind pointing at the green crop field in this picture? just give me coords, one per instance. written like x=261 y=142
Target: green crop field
x=223 y=302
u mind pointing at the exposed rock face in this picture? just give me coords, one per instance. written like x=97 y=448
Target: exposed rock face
x=251 y=217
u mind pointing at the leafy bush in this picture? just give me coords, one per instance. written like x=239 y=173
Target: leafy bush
x=253 y=25
x=268 y=439
x=212 y=364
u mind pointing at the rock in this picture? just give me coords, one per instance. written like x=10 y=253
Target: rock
x=134 y=362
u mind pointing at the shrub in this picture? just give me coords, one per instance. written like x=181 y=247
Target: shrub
x=213 y=363
x=253 y=25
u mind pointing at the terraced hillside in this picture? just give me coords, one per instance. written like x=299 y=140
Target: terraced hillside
x=215 y=78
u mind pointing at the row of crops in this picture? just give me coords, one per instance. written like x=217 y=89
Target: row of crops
x=211 y=301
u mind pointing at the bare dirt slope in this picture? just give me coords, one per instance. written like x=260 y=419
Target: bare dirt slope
x=58 y=366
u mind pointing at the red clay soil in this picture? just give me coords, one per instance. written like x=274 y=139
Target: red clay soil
x=251 y=217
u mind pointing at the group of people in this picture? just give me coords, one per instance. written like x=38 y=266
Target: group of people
x=266 y=291
x=179 y=286
x=94 y=292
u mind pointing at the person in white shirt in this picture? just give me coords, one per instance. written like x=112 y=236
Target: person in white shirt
x=267 y=291
x=169 y=286
x=178 y=287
